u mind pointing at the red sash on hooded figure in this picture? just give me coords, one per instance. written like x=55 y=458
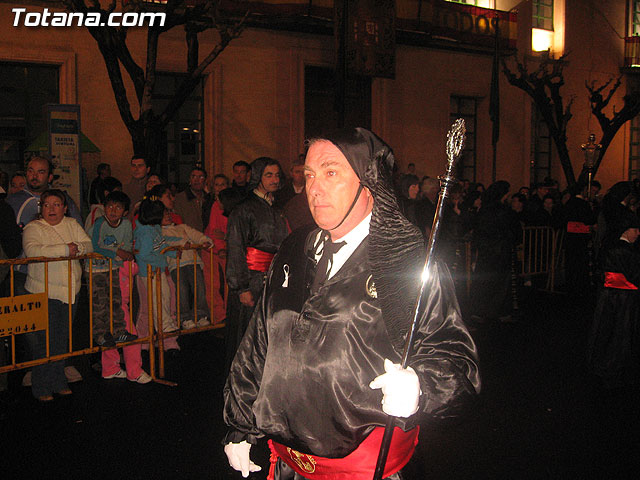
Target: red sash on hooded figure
x=358 y=465
x=618 y=280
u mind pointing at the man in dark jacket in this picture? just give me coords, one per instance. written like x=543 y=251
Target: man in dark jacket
x=254 y=233
x=329 y=330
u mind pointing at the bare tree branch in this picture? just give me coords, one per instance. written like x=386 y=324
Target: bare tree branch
x=146 y=130
x=610 y=126
x=543 y=85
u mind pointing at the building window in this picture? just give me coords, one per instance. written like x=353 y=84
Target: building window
x=540 y=148
x=543 y=14
x=635 y=17
x=24 y=90
x=183 y=134
x=466 y=108
x=634 y=149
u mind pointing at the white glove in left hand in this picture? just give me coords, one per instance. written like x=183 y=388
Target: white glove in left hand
x=400 y=389
x=238 y=456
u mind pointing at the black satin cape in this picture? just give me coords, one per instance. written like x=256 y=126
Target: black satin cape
x=302 y=372
x=253 y=223
x=614 y=340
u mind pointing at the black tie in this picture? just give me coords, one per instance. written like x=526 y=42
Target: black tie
x=326 y=260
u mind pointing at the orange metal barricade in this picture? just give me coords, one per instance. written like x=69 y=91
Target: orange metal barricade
x=161 y=335
x=156 y=335
x=71 y=352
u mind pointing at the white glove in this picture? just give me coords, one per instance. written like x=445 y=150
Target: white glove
x=238 y=456
x=400 y=389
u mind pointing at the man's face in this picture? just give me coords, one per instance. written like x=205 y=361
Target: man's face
x=38 y=176
x=270 y=180
x=240 y=175
x=331 y=186
x=297 y=175
x=197 y=180
x=105 y=172
x=17 y=184
x=219 y=184
x=139 y=168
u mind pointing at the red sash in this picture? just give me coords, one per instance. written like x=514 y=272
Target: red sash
x=358 y=465
x=258 y=260
x=577 y=227
x=618 y=280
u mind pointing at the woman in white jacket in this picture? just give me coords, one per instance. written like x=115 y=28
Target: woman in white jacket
x=53 y=235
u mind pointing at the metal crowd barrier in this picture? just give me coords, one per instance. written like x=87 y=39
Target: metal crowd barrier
x=161 y=335
x=9 y=326
x=539 y=254
x=542 y=253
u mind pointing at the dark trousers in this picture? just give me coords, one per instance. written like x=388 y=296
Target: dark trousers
x=239 y=315
x=576 y=262
x=49 y=378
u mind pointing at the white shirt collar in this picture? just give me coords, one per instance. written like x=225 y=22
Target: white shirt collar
x=352 y=240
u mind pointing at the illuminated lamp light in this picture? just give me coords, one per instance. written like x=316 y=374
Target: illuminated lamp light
x=541 y=40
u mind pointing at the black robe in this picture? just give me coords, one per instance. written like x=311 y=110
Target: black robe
x=301 y=375
x=614 y=341
x=253 y=223
x=496 y=233
x=577 y=253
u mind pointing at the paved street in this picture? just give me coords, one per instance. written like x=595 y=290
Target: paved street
x=538 y=416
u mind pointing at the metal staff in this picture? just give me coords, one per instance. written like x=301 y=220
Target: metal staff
x=455 y=143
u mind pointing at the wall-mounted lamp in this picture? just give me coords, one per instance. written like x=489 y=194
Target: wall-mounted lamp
x=541 y=40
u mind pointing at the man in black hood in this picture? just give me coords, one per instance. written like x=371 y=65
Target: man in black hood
x=254 y=233
x=323 y=349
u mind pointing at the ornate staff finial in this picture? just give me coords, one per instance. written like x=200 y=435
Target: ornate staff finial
x=455 y=143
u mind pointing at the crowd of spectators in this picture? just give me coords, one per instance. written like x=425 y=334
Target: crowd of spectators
x=130 y=222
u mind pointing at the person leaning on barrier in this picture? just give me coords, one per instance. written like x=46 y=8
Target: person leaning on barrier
x=112 y=237
x=25 y=205
x=53 y=235
x=189 y=307
x=96 y=210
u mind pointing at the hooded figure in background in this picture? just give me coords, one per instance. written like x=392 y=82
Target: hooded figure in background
x=495 y=236
x=323 y=349
x=255 y=230
x=614 y=341
x=409 y=190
